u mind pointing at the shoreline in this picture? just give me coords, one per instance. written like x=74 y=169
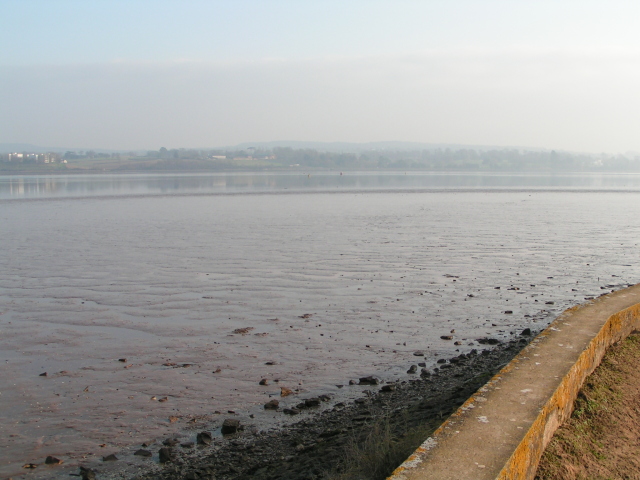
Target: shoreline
x=314 y=446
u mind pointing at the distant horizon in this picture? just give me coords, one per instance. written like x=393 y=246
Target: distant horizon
x=347 y=147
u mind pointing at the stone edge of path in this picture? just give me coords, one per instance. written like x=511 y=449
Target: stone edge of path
x=501 y=432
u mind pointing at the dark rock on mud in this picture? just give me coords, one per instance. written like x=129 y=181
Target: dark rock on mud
x=87 y=473
x=446 y=337
x=110 y=458
x=170 y=442
x=165 y=455
x=412 y=369
x=312 y=402
x=488 y=341
x=203 y=438
x=230 y=425
x=272 y=405
x=388 y=388
x=526 y=332
x=143 y=453
x=51 y=460
x=371 y=380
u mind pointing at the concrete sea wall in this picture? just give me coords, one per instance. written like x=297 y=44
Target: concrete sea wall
x=501 y=432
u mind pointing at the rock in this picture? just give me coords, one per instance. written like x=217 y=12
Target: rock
x=422 y=364
x=425 y=373
x=306 y=315
x=43 y=374
x=230 y=425
x=52 y=460
x=388 y=388
x=412 y=369
x=272 y=405
x=370 y=380
x=457 y=342
x=488 y=341
x=352 y=382
x=526 y=331
x=264 y=381
x=324 y=397
x=418 y=354
x=360 y=401
x=549 y=303
x=291 y=411
x=87 y=473
x=143 y=453
x=285 y=392
x=441 y=360
x=110 y=458
x=170 y=442
x=508 y=312
x=204 y=438
x=165 y=455
x=446 y=337
x=123 y=360
x=312 y=402
x=30 y=465
x=242 y=331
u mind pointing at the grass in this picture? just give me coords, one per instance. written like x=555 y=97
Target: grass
x=599 y=440
x=381 y=450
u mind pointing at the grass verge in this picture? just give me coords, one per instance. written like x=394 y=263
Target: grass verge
x=601 y=440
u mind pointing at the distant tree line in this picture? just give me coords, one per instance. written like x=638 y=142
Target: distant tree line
x=433 y=160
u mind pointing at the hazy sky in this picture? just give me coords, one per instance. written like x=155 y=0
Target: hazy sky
x=146 y=74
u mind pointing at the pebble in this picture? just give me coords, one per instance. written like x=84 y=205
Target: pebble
x=165 y=454
x=50 y=460
x=87 y=473
x=143 y=453
x=272 y=405
x=264 y=381
x=370 y=380
x=446 y=337
x=388 y=388
x=312 y=402
x=418 y=354
x=203 y=438
x=412 y=369
x=110 y=458
x=526 y=332
x=230 y=425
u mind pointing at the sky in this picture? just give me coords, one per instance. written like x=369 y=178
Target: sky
x=141 y=74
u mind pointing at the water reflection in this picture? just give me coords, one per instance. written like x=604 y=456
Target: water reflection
x=34 y=186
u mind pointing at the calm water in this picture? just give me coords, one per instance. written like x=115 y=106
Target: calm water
x=160 y=271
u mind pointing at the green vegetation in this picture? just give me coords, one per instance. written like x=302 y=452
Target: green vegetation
x=286 y=158
x=386 y=445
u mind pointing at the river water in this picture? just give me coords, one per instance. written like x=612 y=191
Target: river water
x=329 y=277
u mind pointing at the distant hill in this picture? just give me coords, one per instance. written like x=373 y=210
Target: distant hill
x=348 y=147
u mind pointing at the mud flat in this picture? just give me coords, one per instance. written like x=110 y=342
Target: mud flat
x=313 y=443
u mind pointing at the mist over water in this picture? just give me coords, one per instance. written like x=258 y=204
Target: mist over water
x=161 y=269
x=46 y=186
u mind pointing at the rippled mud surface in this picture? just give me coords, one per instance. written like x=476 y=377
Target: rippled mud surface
x=197 y=294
